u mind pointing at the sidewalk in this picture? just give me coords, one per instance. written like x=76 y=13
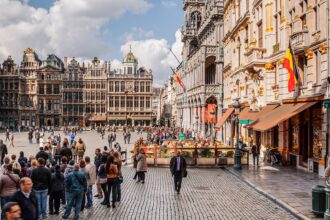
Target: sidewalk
x=288 y=186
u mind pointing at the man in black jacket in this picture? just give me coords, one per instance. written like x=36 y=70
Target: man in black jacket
x=178 y=168
x=66 y=152
x=41 y=178
x=42 y=154
x=26 y=199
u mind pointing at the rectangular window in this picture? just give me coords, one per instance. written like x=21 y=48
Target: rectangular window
x=147 y=86
x=129 y=101
x=116 y=86
x=129 y=70
x=56 y=105
x=49 y=105
x=136 y=86
x=318 y=66
x=110 y=101
x=93 y=85
x=56 y=89
x=116 y=101
x=147 y=102
x=141 y=86
x=41 y=89
x=122 y=101
x=122 y=86
x=111 y=86
x=142 y=102
x=260 y=36
x=136 y=102
x=49 y=89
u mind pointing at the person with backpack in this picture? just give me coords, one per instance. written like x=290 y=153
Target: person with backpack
x=56 y=191
x=9 y=183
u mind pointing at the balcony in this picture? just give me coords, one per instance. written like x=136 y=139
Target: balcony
x=188 y=32
x=254 y=54
x=300 y=39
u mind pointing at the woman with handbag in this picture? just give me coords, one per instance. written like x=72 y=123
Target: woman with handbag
x=118 y=162
x=112 y=175
x=102 y=175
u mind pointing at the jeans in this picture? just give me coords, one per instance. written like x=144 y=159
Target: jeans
x=141 y=176
x=112 y=186
x=3 y=201
x=74 y=200
x=255 y=158
x=118 y=191
x=89 y=195
x=42 y=202
x=54 y=201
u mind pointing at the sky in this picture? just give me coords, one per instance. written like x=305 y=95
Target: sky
x=88 y=28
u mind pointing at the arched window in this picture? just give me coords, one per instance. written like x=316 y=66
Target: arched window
x=210 y=71
x=195 y=20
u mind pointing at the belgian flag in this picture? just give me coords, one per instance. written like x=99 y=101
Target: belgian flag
x=290 y=64
x=177 y=78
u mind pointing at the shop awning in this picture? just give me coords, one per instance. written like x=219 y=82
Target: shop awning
x=280 y=114
x=97 y=119
x=225 y=117
x=264 y=111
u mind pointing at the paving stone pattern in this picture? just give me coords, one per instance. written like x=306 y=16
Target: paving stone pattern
x=206 y=194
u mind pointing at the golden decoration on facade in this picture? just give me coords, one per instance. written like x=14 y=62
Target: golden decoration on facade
x=323 y=48
x=253 y=42
x=269 y=66
x=280 y=61
x=28 y=50
x=309 y=54
x=317 y=36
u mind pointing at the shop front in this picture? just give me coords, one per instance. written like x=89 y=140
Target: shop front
x=293 y=129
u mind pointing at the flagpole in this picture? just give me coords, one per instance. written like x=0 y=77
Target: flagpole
x=295 y=67
x=175 y=57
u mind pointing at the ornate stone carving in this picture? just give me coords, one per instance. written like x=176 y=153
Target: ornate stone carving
x=280 y=61
x=317 y=36
x=309 y=54
x=323 y=48
x=269 y=66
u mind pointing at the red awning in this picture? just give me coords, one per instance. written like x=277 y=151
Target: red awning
x=225 y=117
x=280 y=114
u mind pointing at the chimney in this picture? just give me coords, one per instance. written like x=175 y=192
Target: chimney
x=109 y=66
x=65 y=62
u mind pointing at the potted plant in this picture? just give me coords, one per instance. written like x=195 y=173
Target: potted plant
x=188 y=157
x=230 y=157
x=206 y=157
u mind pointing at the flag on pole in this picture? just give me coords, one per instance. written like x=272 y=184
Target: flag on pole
x=290 y=64
x=177 y=78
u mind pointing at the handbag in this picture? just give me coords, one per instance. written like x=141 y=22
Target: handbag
x=185 y=173
x=103 y=180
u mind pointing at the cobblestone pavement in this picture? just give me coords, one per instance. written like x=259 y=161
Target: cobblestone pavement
x=206 y=194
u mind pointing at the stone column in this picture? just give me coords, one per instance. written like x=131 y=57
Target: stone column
x=203 y=121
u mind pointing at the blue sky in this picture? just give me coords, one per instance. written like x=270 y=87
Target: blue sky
x=163 y=20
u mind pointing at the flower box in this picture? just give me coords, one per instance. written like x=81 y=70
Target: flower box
x=163 y=161
x=205 y=161
x=150 y=161
x=230 y=161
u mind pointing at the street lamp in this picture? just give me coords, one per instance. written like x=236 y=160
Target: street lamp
x=237 y=159
x=212 y=114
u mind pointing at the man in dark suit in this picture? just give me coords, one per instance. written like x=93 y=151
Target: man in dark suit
x=178 y=168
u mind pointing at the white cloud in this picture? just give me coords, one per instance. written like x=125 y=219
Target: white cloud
x=116 y=64
x=136 y=33
x=155 y=54
x=169 y=3
x=68 y=28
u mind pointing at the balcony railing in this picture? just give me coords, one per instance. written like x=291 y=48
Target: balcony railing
x=254 y=54
x=188 y=32
x=300 y=38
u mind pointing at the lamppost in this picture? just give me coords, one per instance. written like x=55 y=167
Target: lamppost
x=196 y=130
x=212 y=114
x=237 y=159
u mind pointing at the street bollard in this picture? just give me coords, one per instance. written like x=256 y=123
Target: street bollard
x=327 y=203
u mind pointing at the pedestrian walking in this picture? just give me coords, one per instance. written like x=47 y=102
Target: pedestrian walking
x=56 y=191
x=80 y=148
x=110 y=139
x=178 y=168
x=9 y=184
x=3 y=150
x=7 y=135
x=41 y=178
x=91 y=179
x=128 y=136
x=11 y=140
x=65 y=151
x=37 y=136
x=57 y=154
x=76 y=186
x=30 y=136
x=12 y=211
x=97 y=163
x=112 y=172
x=141 y=166
x=72 y=137
x=26 y=199
x=74 y=151
x=255 y=150
x=42 y=154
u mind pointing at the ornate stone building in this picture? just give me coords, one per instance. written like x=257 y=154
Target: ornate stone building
x=73 y=93
x=9 y=99
x=257 y=35
x=95 y=92
x=130 y=94
x=28 y=103
x=201 y=70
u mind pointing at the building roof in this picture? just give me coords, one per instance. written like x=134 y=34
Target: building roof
x=130 y=58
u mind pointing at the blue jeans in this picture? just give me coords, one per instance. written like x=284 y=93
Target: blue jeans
x=74 y=199
x=118 y=191
x=112 y=187
x=89 y=195
x=42 y=202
